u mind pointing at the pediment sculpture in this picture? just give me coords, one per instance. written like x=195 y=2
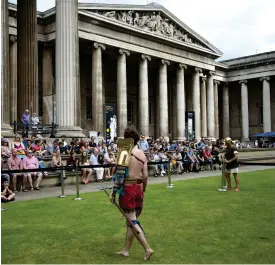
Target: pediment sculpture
x=151 y=21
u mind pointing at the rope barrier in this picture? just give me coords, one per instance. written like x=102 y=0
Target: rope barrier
x=78 y=168
x=69 y=168
x=256 y=164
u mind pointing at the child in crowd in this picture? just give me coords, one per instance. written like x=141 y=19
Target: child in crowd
x=7 y=195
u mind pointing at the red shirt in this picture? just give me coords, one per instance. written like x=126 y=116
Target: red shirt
x=206 y=154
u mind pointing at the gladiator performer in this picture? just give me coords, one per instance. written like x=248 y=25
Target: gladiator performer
x=231 y=160
x=130 y=183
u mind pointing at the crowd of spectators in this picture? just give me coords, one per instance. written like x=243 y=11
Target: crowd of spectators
x=31 y=152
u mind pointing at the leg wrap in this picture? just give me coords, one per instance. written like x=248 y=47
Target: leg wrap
x=136 y=222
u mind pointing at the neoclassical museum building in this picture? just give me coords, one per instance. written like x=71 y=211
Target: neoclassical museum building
x=101 y=67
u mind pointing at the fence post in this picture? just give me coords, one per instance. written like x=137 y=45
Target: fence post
x=77 y=185
x=223 y=186
x=62 y=185
x=169 y=185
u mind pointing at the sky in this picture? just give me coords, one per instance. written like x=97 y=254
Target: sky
x=236 y=27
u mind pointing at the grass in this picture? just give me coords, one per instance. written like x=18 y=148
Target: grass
x=192 y=223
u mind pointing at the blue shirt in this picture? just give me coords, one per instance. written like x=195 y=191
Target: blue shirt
x=26 y=118
x=190 y=153
x=94 y=159
x=173 y=147
x=143 y=144
x=200 y=146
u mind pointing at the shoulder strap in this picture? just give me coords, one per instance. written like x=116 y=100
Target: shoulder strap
x=138 y=158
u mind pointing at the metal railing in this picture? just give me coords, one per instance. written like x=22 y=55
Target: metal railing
x=20 y=127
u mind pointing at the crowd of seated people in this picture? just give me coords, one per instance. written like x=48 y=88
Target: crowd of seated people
x=29 y=152
x=36 y=150
x=184 y=156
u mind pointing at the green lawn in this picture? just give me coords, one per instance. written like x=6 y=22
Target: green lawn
x=192 y=223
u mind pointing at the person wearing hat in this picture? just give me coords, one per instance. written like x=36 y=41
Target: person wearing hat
x=7 y=195
x=143 y=144
x=232 y=166
x=30 y=162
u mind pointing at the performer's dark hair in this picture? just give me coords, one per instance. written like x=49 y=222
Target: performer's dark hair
x=132 y=133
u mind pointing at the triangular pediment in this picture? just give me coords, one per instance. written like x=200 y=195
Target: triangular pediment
x=151 y=19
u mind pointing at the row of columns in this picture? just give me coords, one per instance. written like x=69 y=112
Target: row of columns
x=266 y=107
x=24 y=89
x=204 y=113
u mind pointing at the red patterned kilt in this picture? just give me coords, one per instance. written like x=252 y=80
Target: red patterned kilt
x=132 y=197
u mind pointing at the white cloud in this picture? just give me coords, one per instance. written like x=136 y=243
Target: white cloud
x=236 y=27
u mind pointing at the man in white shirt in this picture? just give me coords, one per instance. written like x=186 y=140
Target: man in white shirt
x=99 y=170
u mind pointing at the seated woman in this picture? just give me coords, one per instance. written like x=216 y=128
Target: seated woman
x=86 y=172
x=109 y=158
x=5 y=150
x=192 y=160
x=152 y=158
x=19 y=146
x=85 y=147
x=7 y=195
x=38 y=148
x=177 y=165
x=72 y=161
x=163 y=156
x=57 y=162
x=200 y=158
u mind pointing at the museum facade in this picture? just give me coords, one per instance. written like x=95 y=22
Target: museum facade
x=84 y=66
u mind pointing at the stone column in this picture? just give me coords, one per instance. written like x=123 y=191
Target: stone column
x=180 y=104
x=245 y=116
x=48 y=84
x=13 y=78
x=266 y=104
x=27 y=74
x=203 y=108
x=122 y=92
x=210 y=105
x=5 y=95
x=174 y=108
x=66 y=67
x=196 y=102
x=97 y=89
x=226 y=116
x=144 y=95
x=163 y=99
x=216 y=108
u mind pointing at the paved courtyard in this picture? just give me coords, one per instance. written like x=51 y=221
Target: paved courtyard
x=48 y=192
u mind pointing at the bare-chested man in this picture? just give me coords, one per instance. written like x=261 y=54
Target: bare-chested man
x=131 y=201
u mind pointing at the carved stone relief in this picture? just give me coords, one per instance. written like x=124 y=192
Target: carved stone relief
x=151 y=21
